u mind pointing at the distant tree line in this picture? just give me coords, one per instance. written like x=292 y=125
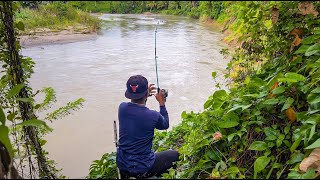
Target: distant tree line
x=195 y=9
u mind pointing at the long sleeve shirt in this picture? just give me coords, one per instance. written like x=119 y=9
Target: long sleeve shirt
x=136 y=131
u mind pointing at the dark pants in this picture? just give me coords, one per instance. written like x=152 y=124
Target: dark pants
x=164 y=161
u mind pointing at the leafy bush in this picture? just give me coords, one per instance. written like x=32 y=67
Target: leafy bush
x=56 y=15
x=194 y=13
x=269 y=118
x=105 y=168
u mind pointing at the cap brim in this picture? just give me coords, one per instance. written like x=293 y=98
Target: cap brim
x=135 y=95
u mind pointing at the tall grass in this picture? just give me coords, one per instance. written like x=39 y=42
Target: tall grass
x=56 y=16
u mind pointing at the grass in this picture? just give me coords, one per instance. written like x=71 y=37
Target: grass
x=56 y=16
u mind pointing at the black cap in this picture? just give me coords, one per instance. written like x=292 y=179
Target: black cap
x=137 y=87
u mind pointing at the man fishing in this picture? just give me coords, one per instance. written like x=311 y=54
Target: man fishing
x=135 y=157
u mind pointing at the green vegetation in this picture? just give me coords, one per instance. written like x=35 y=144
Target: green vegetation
x=104 y=168
x=269 y=118
x=21 y=130
x=57 y=16
x=193 y=9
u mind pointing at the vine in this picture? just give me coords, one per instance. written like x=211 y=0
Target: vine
x=17 y=101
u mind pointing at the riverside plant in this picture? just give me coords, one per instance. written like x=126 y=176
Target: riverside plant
x=56 y=16
x=269 y=117
x=21 y=129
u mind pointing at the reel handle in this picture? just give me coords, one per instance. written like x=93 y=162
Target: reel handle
x=164 y=91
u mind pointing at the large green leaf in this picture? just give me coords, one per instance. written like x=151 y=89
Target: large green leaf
x=207 y=104
x=2 y=117
x=295 y=144
x=296 y=157
x=271 y=101
x=231 y=136
x=258 y=146
x=313 y=98
x=20 y=25
x=312 y=131
x=4 y=138
x=274 y=80
x=229 y=120
x=220 y=94
x=260 y=164
x=316 y=31
x=251 y=95
x=230 y=116
x=310 y=39
x=313 y=50
x=216 y=100
x=268 y=24
x=302 y=49
x=217 y=104
x=200 y=144
x=214 y=155
x=278 y=90
x=316 y=90
x=287 y=104
x=314 y=145
x=227 y=124
x=237 y=106
x=288 y=80
x=25 y=99
x=214 y=74
x=36 y=123
x=231 y=170
x=280 y=140
x=270 y=132
x=15 y=90
x=184 y=114
x=310 y=174
x=295 y=76
x=271 y=138
x=32 y=122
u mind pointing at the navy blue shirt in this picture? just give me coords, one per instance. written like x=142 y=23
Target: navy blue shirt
x=136 y=130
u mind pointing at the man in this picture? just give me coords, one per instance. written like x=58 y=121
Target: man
x=135 y=157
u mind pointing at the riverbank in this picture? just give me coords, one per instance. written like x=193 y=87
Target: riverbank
x=221 y=27
x=55 y=22
x=46 y=36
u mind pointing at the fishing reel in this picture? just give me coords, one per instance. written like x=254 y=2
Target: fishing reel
x=164 y=92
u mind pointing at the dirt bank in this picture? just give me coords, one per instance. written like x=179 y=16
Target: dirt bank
x=46 y=36
x=223 y=29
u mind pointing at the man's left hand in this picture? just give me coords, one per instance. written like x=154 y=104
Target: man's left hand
x=152 y=90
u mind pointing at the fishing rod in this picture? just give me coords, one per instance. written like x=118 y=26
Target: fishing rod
x=115 y=133
x=165 y=91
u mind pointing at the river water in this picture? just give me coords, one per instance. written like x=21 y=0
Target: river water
x=97 y=70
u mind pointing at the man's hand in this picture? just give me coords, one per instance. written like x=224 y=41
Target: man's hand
x=152 y=90
x=160 y=98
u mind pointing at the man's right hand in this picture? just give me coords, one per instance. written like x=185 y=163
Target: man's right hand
x=160 y=98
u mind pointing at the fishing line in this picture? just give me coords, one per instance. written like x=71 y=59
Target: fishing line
x=165 y=91
x=155 y=55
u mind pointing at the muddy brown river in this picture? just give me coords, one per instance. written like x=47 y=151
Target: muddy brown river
x=97 y=70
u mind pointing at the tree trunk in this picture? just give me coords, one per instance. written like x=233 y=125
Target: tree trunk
x=194 y=3
x=17 y=73
x=7 y=170
x=167 y=5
